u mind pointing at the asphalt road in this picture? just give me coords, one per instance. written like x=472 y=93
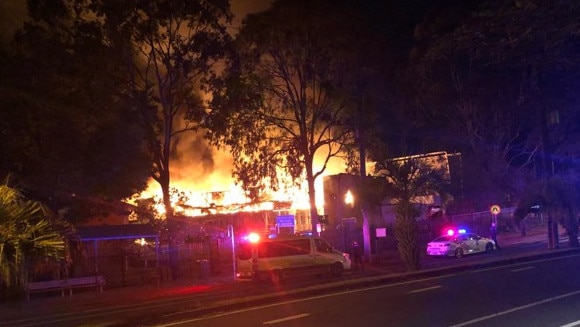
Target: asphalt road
x=540 y=293
x=188 y=302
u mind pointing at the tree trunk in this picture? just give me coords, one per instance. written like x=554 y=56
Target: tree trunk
x=406 y=232
x=572 y=230
x=312 y=196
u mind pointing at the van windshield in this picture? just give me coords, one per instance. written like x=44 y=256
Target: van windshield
x=244 y=252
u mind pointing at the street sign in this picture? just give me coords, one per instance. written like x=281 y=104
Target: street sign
x=495 y=209
x=381 y=232
x=285 y=221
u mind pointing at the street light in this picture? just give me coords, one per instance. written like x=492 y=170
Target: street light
x=348 y=198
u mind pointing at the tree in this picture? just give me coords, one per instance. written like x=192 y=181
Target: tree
x=506 y=68
x=169 y=49
x=406 y=182
x=26 y=234
x=67 y=132
x=288 y=98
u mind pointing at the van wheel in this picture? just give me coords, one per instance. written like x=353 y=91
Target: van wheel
x=336 y=269
x=277 y=277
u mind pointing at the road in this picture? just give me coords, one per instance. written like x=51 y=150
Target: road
x=541 y=293
x=97 y=311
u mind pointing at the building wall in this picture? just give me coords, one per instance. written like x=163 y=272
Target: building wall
x=335 y=189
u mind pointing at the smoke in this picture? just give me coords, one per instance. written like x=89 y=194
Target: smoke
x=12 y=16
x=197 y=166
x=241 y=8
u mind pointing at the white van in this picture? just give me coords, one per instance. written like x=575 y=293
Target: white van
x=282 y=257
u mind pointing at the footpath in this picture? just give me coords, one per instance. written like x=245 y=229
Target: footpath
x=223 y=291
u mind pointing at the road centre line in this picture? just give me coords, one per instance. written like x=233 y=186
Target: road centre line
x=358 y=290
x=521 y=263
x=272 y=322
x=522 y=269
x=425 y=289
x=572 y=324
x=530 y=305
x=348 y=291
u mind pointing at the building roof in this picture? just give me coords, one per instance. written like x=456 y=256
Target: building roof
x=115 y=232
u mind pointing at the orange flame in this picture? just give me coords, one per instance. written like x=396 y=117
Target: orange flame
x=215 y=191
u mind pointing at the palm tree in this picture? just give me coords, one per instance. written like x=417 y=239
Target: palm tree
x=406 y=182
x=26 y=234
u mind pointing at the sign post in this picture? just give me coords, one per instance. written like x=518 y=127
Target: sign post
x=230 y=229
x=494 y=210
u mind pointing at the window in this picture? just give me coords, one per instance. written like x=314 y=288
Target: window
x=322 y=246
x=298 y=247
x=244 y=252
x=284 y=248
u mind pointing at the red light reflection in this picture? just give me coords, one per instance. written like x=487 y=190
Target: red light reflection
x=187 y=290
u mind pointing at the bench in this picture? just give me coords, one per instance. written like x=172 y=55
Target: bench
x=83 y=282
x=64 y=285
x=45 y=286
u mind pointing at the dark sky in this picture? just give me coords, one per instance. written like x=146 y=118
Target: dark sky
x=13 y=11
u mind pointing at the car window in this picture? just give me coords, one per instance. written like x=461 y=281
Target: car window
x=284 y=248
x=301 y=246
x=322 y=246
x=444 y=238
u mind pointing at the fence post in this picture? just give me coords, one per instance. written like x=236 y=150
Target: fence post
x=230 y=229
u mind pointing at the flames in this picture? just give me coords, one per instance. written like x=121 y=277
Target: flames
x=216 y=191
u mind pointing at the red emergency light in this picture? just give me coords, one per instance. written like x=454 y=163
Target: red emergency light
x=253 y=237
x=453 y=231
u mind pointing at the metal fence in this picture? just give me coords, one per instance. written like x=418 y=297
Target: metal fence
x=124 y=264
x=480 y=222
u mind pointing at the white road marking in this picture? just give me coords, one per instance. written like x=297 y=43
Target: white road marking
x=522 y=269
x=358 y=290
x=533 y=304
x=572 y=324
x=425 y=289
x=272 y=322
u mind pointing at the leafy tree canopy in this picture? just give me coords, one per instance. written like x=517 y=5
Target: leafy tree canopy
x=294 y=91
x=496 y=82
x=168 y=50
x=67 y=131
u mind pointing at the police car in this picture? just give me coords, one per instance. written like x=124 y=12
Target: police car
x=460 y=243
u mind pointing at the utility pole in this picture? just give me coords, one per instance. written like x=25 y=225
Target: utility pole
x=548 y=172
x=364 y=204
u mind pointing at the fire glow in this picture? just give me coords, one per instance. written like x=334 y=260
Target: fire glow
x=230 y=198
